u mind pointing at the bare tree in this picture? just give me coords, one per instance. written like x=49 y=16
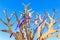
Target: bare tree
x=48 y=22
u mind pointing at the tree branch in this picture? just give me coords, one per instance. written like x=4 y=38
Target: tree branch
x=54 y=13
x=11 y=16
x=3 y=22
x=57 y=20
x=8 y=31
x=13 y=23
x=16 y=16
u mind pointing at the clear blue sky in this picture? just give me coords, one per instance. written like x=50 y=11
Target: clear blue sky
x=36 y=5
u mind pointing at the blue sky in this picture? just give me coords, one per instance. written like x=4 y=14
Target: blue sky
x=36 y=5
